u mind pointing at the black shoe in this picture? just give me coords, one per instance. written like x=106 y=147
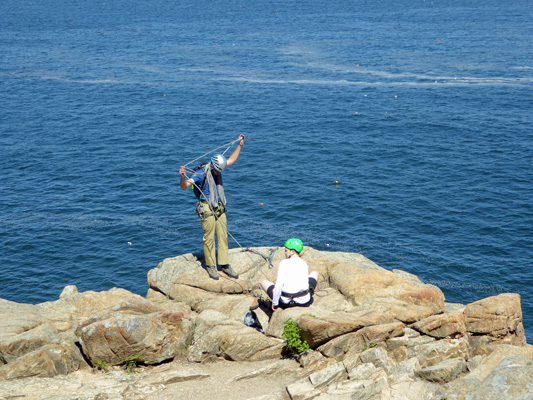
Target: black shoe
x=229 y=271
x=212 y=271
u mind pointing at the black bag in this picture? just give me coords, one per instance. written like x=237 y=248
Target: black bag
x=251 y=320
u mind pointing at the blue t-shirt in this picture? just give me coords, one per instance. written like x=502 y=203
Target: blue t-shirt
x=199 y=179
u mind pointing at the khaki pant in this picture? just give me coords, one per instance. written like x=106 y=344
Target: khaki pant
x=212 y=225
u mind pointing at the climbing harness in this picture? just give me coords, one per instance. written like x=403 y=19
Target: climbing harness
x=199 y=210
x=293 y=296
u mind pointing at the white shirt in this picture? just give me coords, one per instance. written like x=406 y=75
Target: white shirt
x=293 y=277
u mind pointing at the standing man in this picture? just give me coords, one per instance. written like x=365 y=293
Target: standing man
x=211 y=208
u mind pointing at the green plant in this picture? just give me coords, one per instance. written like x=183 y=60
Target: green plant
x=292 y=334
x=130 y=363
x=102 y=366
x=369 y=346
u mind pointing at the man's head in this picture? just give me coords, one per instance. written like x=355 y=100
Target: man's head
x=293 y=246
x=219 y=162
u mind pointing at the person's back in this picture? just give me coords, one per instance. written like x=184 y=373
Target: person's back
x=294 y=285
x=293 y=275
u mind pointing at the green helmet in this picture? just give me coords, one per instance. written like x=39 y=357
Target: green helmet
x=294 y=244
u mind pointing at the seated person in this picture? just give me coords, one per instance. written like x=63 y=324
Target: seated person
x=294 y=285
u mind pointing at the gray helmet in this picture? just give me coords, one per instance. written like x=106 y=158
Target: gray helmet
x=219 y=162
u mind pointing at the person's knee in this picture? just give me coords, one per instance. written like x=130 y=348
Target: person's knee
x=312 y=284
x=265 y=284
x=268 y=287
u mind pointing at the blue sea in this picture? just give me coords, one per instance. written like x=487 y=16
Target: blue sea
x=400 y=130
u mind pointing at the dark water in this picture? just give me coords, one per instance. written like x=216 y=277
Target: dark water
x=421 y=110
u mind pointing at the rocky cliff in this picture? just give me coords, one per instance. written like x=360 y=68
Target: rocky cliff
x=373 y=334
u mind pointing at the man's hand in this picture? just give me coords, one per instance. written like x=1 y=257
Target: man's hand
x=184 y=182
x=236 y=152
x=274 y=308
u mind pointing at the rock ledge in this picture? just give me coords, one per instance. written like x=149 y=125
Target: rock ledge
x=374 y=334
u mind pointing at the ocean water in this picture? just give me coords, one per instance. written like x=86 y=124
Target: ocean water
x=421 y=110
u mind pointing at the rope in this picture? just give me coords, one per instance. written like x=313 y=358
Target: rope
x=323 y=288
x=243 y=249
x=212 y=151
x=269 y=258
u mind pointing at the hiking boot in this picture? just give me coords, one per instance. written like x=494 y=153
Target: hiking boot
x=229 y=271
x=255 y=305
x=212 y=271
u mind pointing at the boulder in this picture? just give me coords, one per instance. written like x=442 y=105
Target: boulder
x=378 y=333
x=331 y=300
x=16 y=318
x=46 y=361
x=498 y=317
x=18 y=345
x=302 y=389
x=366 y=336
x=504 y=374
x=414 y=390
x=376 y=390
x=442 y=325
x=68 y=291
x=443 y=372
x=361 y=280
x=376 y=355
x=404 y=370
x=317 y=331
x=147 y=338
x=168 y=304
x=42 y=335
x=65 y=313
x=403 y=311
x=367 y=373
x=217 y=336
x=251 y=265
x=277 y=321
x=434 y=352
x=338 y=347
x=328 y=375
x=188 y=270
x=314 y=361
